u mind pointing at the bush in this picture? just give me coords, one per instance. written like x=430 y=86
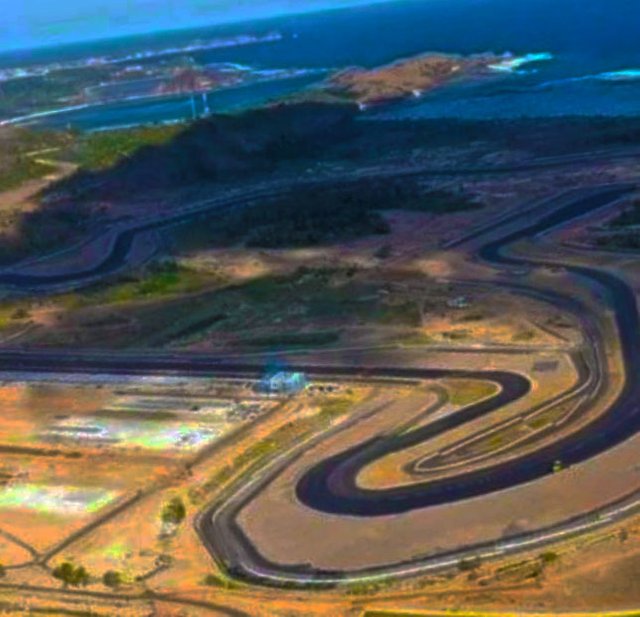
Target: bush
x=213 y=580
x=69 y=574
x=548 y=557
x=174 y=512
x=112 y=579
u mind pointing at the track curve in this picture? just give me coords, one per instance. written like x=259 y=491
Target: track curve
x=116 y=256
x=331 y=485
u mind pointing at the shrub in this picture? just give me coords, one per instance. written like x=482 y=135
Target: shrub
x=69 y=574
x=112 y=579
x=174 y=511
x=548 y=557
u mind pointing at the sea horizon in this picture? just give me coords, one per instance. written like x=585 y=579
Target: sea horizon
x=591 y=69
x=194 y=28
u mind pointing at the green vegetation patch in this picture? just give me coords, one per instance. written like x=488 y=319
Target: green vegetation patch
x=19 y=170
x=14 y=314
x=417 y=338
x=523 y=336
x=538 y=423
x=310 y=308
x=402 y=314
x=334 y=408
x=156 y=281
x=18 y=158
x=174 y=511
x=222 y=582
x=285 y=304
x=71 y=575
x=103 y=149
x=466 y=391
x=455 y=335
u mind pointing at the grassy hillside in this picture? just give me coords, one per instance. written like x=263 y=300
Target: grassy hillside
x=18 y=154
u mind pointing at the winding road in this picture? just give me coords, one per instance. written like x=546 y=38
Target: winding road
x=330 y=486
x=123 y=234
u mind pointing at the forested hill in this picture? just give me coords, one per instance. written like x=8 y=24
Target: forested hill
x=221 y=146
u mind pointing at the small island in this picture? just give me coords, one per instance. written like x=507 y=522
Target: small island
x=410 y=77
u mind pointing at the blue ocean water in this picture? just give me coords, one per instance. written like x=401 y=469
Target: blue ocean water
x=594 y=67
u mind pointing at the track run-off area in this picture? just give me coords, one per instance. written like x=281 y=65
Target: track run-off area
x=326 y=489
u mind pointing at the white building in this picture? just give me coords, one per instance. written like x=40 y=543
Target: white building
x=284 y=382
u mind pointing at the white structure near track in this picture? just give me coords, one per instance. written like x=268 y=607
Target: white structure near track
x=284 y=382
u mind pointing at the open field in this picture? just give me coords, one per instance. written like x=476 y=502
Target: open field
x=211 y=305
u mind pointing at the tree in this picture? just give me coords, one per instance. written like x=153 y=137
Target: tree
x=81 y=577
x=174 y=511
x=64 y=572
x=112 y=579
x=69 y=574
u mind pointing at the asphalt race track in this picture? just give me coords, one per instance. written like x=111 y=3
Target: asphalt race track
x=117 y=255
x=330 y=485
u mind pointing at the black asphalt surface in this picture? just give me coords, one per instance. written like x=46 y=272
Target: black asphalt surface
x=331 y=485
